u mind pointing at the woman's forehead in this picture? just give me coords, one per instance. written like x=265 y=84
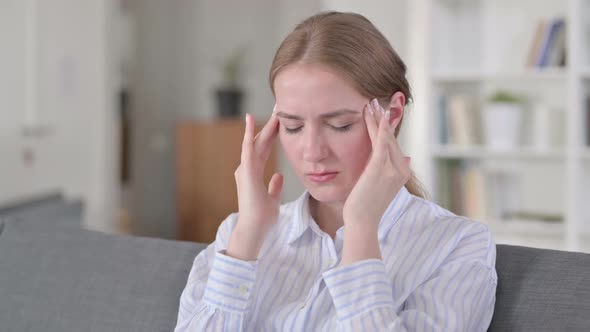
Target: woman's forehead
x=314 y=85
x=318 y=113
x=310 y=91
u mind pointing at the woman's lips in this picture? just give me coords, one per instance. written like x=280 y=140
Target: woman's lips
x=322 y=177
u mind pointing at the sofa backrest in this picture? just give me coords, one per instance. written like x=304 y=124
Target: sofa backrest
x=50 y=208
x=40 y=199
x=541 y=290
x=72 y=279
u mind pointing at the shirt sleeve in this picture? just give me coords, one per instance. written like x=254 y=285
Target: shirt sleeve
x=458 y=296
x=218 y=290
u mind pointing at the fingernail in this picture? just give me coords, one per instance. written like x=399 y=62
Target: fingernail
x=370 y=109
x=387 y=114
x=274 y=109
x=375 y=103
x=246 y=117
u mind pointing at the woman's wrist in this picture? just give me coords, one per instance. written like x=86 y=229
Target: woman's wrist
x=361 y=242
x=245 y=244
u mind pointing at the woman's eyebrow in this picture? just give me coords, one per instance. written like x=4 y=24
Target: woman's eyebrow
x=332 y=114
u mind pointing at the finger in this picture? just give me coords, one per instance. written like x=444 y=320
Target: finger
x=408 y=160
x=378 y=112
x=393 y=148
x=248 y=140
x=266 y=131
x=388 y=135
x=267 y=135
x=397 y=157
x=382 y=137
x=371 y=122
x=275 y=185
x=395 y=154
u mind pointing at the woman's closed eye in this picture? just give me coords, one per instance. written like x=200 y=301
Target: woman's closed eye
x=340 y=128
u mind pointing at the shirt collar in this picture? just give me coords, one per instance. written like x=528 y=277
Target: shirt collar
x=302 y=217
x=393 y=212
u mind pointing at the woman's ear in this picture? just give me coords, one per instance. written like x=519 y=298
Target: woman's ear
x=396 y=108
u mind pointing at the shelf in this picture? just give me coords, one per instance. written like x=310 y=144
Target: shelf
x=527 y=228
x=530 y=233
x=464 y=76
x=474 y=56
x=481 y=152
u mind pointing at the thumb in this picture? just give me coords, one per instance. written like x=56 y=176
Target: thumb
x=275 y=185
x=407 y=160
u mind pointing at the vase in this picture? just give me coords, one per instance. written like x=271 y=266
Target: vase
x=502 y=124
x=229 y=102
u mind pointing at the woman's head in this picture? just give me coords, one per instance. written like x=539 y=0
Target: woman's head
x=322 y=76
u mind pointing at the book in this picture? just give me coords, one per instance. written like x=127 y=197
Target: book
x=588 y=121
x=460 y=120
x=474 y=192
x=443 y=121
x=548 y=45
x=444 y=183
x=549 y=41
x=465 y=191
x=456 y=190
x=556 y=52
x=536 y=43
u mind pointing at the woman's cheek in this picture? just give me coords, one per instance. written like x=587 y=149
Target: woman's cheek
x=288 y=143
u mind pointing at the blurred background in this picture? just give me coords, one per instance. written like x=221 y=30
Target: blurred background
x=126 y=116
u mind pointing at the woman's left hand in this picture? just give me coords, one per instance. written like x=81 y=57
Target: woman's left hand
x=386 y=172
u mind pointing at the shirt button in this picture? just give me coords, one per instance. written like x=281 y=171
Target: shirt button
x=302 y=305
x=243 y=289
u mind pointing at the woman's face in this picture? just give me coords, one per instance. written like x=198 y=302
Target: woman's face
x=322 y=129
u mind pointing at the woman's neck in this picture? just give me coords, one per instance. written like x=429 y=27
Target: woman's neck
x=328 y=216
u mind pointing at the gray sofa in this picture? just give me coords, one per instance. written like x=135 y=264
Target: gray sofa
x=57 y=276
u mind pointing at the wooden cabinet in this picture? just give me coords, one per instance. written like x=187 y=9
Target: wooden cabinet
x=207 y=155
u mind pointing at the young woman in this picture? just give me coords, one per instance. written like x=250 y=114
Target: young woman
x=361 y=249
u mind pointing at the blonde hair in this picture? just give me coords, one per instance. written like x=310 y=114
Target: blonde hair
x=352 y=46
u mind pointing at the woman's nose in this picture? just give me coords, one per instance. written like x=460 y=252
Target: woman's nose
x=315 y=148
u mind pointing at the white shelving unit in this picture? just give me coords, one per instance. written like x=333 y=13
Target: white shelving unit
x=524 y=74
x=479 y=46
x=480 y=152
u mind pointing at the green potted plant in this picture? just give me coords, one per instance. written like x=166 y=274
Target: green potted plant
x=230 y=93
x=502 y=120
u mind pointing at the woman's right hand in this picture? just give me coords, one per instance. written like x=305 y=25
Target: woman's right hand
x=258 y=206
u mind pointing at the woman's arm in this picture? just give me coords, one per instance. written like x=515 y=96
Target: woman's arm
x=221 y=281
x=219 y=288
x=458 y=296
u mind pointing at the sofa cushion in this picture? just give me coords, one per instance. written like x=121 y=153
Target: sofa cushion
x=541 y=290
x=31 y=202
x=52 y=209
x=72 y=279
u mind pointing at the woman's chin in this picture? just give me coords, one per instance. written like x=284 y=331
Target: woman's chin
x=327 y=194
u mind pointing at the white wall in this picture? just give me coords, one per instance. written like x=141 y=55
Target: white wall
x=163 y=81
x=74 y=98
x=389 y=16
x=180 y=47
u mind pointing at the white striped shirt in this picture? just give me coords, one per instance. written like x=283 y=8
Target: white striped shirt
x=437 y=274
